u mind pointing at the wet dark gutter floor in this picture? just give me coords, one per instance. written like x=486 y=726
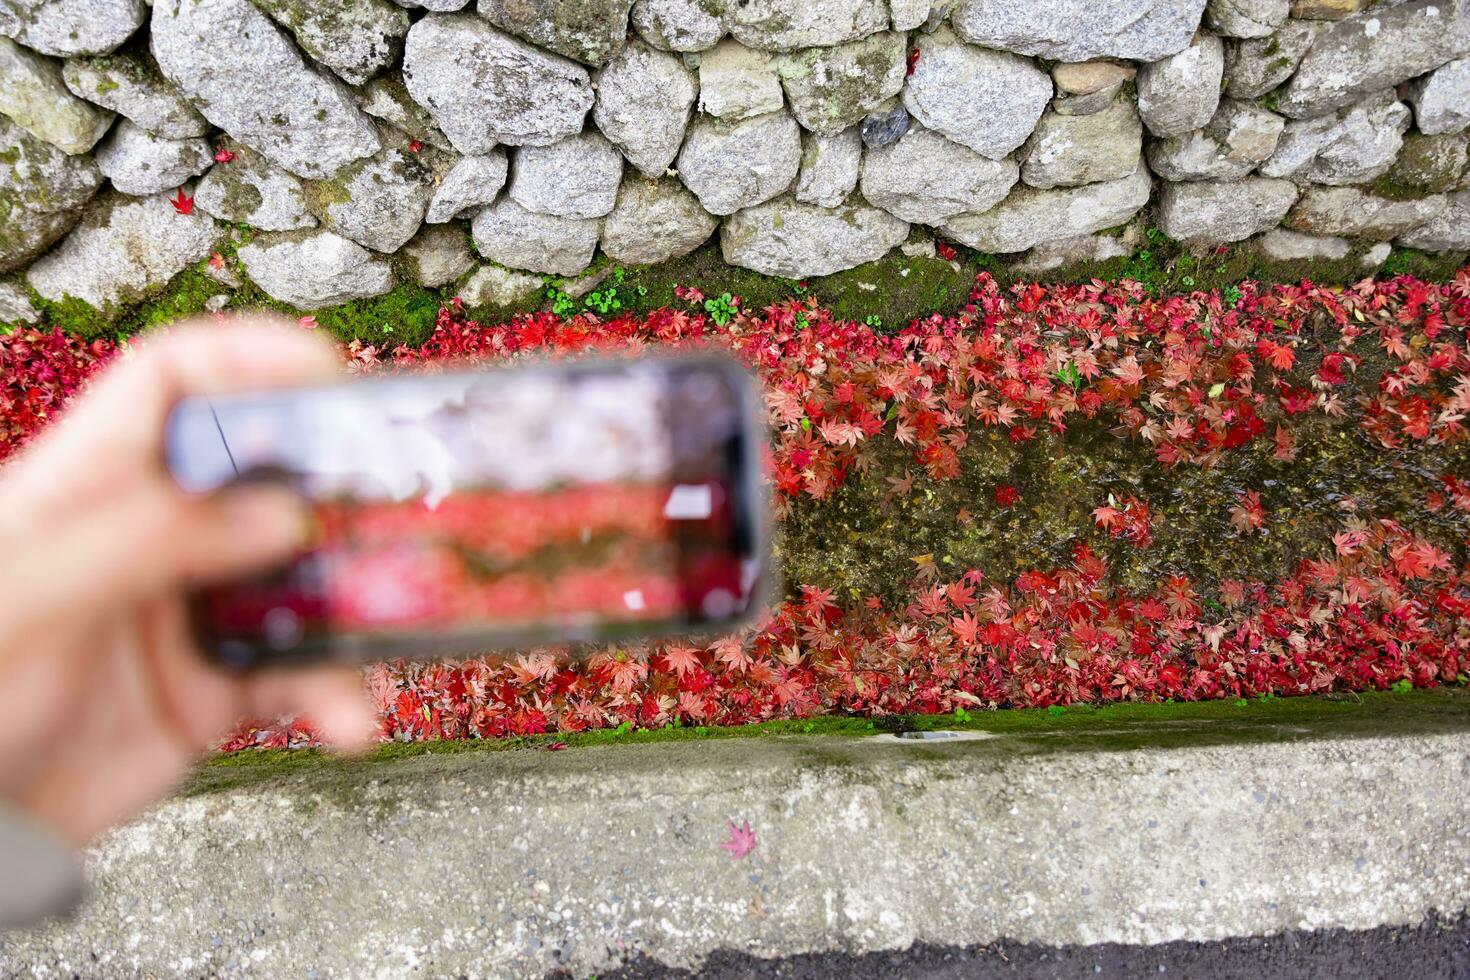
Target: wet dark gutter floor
x=1430 y=951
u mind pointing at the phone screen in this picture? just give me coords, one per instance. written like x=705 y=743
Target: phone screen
x=460 y=512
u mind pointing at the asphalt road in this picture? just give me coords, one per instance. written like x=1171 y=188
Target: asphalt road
x=1434 y=950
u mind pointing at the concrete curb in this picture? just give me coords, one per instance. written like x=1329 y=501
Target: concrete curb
x=520 y=863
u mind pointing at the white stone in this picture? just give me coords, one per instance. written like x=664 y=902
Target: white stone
x=1373 y=51
x=655 y=221
x=577 y=177
x=473 y=182
x=833 y=88
x=1376 y=255
x=1246 y=18
x=496 y=88
x=1182 y=92
x=42 y=190
x=680 y=25
x=1223 y=211
x=987 y=100
x=788 y=25
x=1238 y=138
x=1254 y=67
x=496 y=287
x=34 y=97
x=736 y=82
x=909 y=15
x=437 y=255
x=387 y=98
x=1352 y=146
x=1449 y=232
x=1357 y=213
x=139 y=163
x=357 y=40
x=1066 y=151
x=1285 y=245
x=590 y=31
x=124 y=249
x=793 y=240
x=15 y=305
x=644 y=97
x=926 y=179
x=1070 y=251
x=379 y=202
x=829 y=168
x=730 y=166
x=251 y=190
x=313 y=270
x=1441 y=99
x=132 y=86
x=509 y=234
x=248 y=79
x=1030 y=217
x=63 y=28
x=1079 y=30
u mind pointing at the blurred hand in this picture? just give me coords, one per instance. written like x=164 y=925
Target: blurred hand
x=104 y=704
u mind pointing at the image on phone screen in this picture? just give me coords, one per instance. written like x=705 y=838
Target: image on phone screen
x=460 y=512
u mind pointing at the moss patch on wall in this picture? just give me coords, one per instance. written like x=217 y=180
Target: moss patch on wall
x=887 y=294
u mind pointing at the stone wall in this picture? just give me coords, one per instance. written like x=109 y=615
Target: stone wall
x=346 y=147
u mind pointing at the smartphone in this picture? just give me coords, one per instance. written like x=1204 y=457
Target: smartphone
x=463 y=512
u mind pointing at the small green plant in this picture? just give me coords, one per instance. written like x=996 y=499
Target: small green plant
x=722 y=308
x=1402 y=686
x=604 y=301
x=874 y=321
x=1231 y=294
x=1056 y=710
x=561 y=304
x=624 y=728
x=961 y=715
x=1068 y=375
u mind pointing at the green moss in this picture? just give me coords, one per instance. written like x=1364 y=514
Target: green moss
x=1430 y=266
x=894 y=290
x=1078 y=728
x=863 y=539
x=404 y=316
x=1392 y=188
x=897 y=289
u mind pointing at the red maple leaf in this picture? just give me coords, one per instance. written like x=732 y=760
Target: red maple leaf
x=1249 y=514
x=681 y=660
x=414 y=146
x=1417 y=558
x=946 y=251
x=1007 y=495
x=223 y=155
x=741 y=842
x=182 y=204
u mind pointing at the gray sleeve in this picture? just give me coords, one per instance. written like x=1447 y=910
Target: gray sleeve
x=39 y=875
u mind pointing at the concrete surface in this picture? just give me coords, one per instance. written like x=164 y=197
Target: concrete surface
x=527 y=862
